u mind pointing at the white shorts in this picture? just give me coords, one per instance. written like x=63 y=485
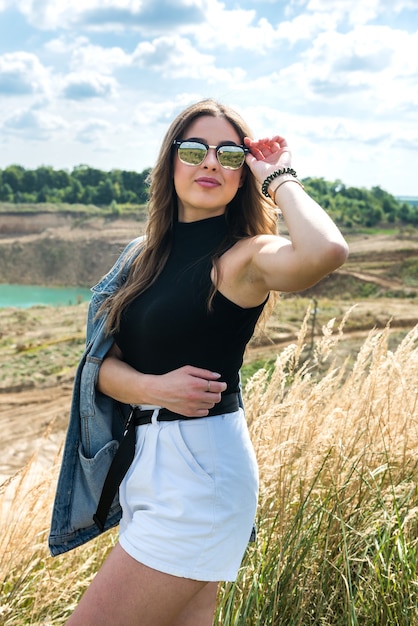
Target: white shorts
x=189 y=498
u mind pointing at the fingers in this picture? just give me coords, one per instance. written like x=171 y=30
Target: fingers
x=210 y=389
x=209 y=400
x=213 y=389
x=277 y=139
x=212 y=393
x=267 y=155
x=262 y=149
x=200 y=372
x=190 y=391
x=206 y=381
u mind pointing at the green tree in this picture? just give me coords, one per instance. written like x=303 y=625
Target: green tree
x=61 y=179
x=74 y=192
x=104 y=193
x=13 y=176
x=88 y=176
x=29 y=181
x=6 y=193
x=45 y=176
x=136 y=182
x=88 y=195
x=42 y=195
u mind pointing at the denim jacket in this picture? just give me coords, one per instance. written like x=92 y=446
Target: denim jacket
x=95 y=428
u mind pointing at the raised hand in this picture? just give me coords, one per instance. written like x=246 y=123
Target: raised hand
x=267 y=155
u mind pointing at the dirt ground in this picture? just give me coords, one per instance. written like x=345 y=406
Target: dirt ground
x=34 y=420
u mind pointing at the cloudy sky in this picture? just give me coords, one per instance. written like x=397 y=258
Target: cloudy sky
x=98 y=81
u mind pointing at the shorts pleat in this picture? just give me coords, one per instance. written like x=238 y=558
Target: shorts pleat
x=190 y=496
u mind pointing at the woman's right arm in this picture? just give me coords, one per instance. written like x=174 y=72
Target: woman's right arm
x=183 y=391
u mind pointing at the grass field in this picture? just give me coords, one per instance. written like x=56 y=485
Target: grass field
x=336 y=439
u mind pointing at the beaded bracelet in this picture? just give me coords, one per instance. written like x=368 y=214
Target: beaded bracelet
x=272 y=193
x=272 y=176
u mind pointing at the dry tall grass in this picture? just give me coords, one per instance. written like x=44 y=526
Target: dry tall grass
x=360 y=414
x=337 y=448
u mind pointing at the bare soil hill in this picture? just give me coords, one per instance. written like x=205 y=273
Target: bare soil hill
x=72 y=253
x=39 y=348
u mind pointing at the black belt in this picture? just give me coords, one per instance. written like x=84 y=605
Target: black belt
x=228 y=404
x=126 y=451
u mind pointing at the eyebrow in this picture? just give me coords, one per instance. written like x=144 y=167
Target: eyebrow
x=227 y=142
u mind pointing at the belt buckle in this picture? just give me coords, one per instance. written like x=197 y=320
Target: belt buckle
x=145 y=407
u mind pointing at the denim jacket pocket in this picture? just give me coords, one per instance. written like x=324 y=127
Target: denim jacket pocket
x=90 y=479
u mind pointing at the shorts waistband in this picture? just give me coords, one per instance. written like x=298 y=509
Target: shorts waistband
x=228 y=404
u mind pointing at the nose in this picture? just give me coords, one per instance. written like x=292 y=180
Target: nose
x=211 y=160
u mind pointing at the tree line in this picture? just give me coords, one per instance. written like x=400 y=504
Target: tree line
x=354 y=207
x=83 y=185
x=350 y=207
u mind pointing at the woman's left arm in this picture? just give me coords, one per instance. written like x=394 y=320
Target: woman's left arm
x=315 y=246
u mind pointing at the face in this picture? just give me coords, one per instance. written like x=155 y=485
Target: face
x=204 y=190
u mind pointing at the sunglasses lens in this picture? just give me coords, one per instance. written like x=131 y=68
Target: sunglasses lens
x=231 y=157
x=192 y=152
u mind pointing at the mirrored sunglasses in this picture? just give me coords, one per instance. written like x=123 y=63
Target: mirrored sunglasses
x=230 y=156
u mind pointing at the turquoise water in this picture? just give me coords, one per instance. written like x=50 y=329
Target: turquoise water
x=24 y=296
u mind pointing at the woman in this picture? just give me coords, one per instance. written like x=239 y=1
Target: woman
x=196 y=288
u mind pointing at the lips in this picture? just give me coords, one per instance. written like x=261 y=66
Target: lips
x=206 y=181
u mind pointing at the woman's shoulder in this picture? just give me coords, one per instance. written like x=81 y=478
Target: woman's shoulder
x=120 y=269
x=134 y=246
x=129 y=253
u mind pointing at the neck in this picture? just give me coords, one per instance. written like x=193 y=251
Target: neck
x=187 y=215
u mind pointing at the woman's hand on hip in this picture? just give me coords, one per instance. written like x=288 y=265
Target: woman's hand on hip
x=190 y=391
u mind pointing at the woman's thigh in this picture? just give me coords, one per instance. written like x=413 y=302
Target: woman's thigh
x=128 y=593
x=200 y=610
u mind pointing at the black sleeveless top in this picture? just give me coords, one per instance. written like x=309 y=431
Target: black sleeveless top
x=169 y=325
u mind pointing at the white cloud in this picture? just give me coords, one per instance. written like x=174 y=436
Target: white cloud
x=22 y=73
x=359 y=12
x=83 y=55
x=63 y=45
x=176 y=57
x=33 y=123
x=369 y=45
x=150 y=114
x=409 y=142
x=354 y=12
x=306 y=26
x=101 y=59
x=226 y=29
x=92 y=132
x=84 y=85
x=45 y=14
x=116 y=14
x=375 y=61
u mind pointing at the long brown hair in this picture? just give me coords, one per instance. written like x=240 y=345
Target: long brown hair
x=248 y=214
